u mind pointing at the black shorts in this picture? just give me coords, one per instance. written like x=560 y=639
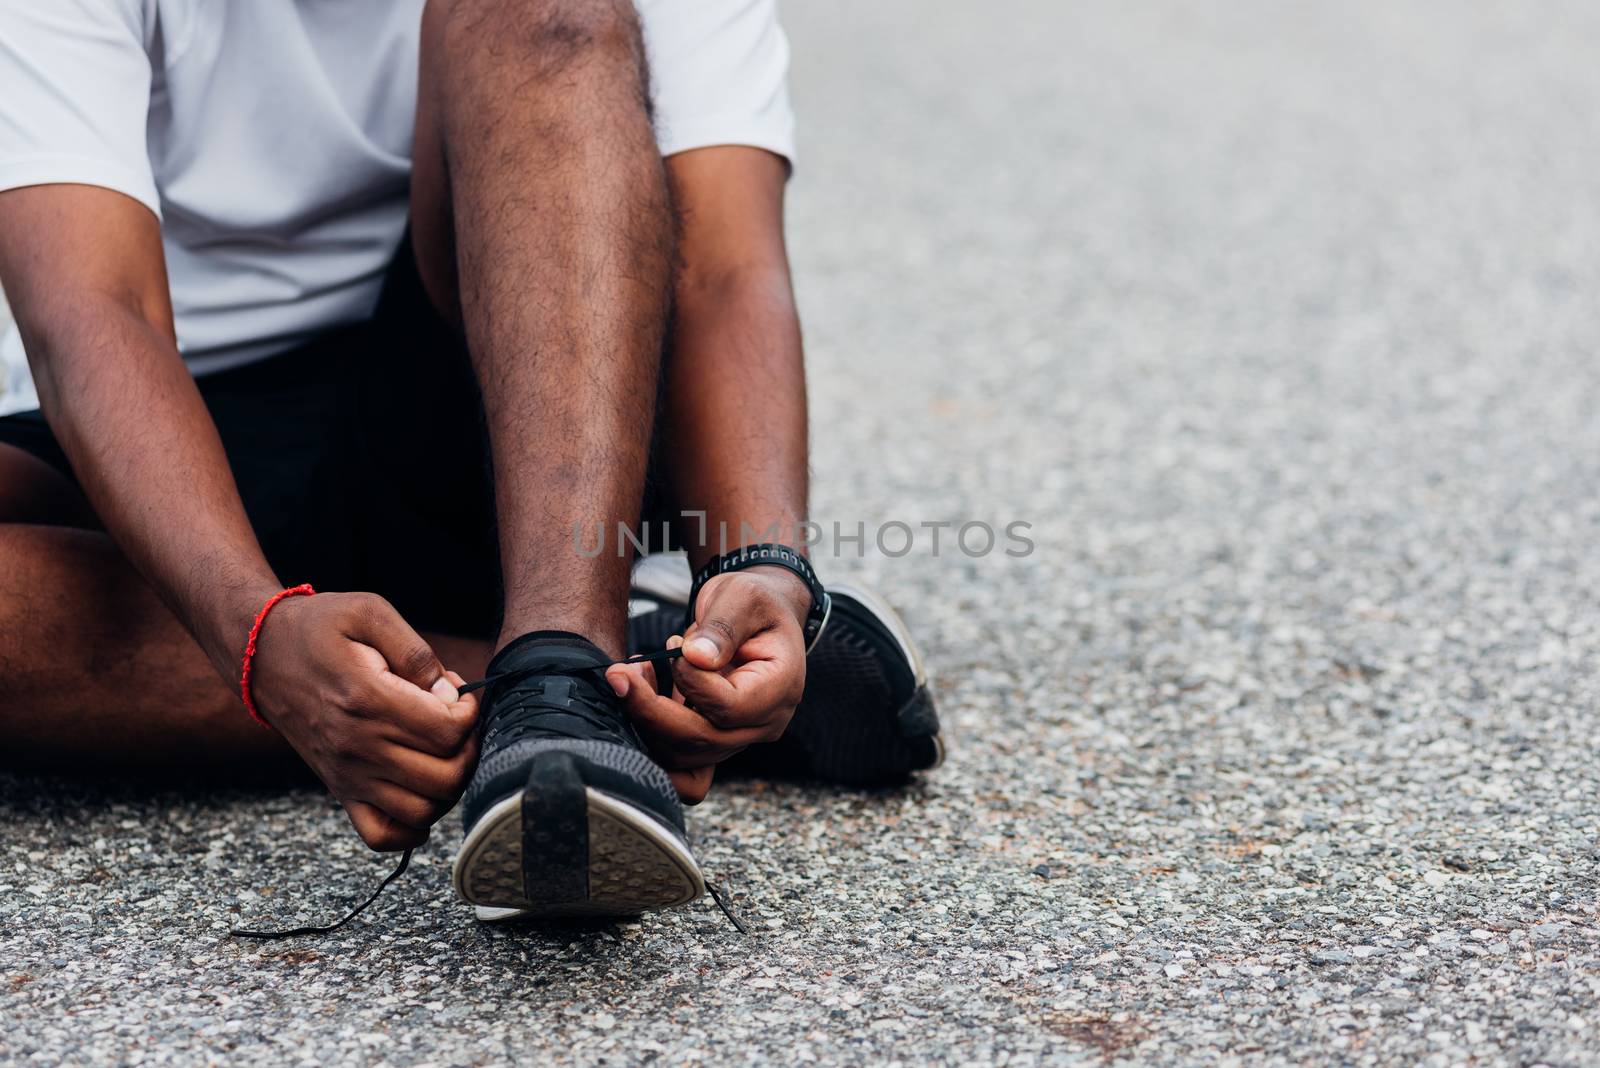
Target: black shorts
x=362 y=461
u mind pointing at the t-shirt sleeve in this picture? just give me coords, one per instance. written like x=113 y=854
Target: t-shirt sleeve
x=719 y=74
x=76 y=96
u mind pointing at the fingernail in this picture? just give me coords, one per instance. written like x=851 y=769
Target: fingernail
x=705 y=646
x=674 y=641
x=445 y=692
x=619 y=683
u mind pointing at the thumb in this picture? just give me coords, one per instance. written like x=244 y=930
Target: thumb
x=403 y=649
x=723 y=622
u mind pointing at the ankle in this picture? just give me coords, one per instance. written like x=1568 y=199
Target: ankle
x=510 y=637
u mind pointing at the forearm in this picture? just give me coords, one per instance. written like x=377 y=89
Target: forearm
x=736 y=442
x=128 y=416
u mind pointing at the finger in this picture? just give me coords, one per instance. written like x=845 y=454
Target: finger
x=769 y=679
x=439 y=778
x=626 y=679
x=402 y=805
x=464 y=706
x=711 y=693
x=376 y=623
x=409 y=715
x=680 y=737
x=655 y=675
x=702 y=687
x=636 y=686
x=692 y=786
x=726 y=616
x=380 y=831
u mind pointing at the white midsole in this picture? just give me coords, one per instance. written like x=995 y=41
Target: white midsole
x=511 y=808
x=890 y=619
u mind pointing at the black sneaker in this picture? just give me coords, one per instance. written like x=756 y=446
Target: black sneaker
x=866 y=717
x=566 y=815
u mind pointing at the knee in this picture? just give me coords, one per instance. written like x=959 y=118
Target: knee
x=547 y=37
x=31 y=491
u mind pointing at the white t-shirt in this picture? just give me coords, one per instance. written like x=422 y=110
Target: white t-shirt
x=273 y=139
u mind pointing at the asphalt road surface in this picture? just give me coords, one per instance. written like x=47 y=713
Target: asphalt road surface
x=1278 y=323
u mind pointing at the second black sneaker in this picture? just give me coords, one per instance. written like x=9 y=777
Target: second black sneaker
x=867 y=716
x=566 y=815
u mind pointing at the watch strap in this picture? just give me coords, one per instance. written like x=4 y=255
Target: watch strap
x=770 y=554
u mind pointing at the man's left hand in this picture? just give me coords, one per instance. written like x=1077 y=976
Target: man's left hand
x=741 y=675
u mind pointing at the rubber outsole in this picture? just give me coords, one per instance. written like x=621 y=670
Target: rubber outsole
x=560 y=848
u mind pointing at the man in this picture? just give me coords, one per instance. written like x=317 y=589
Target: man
x=374 y=296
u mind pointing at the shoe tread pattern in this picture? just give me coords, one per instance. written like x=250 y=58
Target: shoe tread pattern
x=626 y=870
x=555 y=831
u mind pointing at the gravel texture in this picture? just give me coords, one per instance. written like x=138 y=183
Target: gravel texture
x=1278 y=323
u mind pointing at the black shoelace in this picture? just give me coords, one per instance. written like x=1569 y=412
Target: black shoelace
x=517 y=719
x=405 y=858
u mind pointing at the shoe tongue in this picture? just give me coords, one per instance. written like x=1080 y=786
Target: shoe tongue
x=548 y=649
x=551 y=671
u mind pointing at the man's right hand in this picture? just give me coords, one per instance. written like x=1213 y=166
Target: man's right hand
x=366 y=703
x=358 y=694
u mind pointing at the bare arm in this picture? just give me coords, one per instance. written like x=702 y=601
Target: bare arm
x=736 y=388
x=84 y=270
x=357 y=693
x=736 y=449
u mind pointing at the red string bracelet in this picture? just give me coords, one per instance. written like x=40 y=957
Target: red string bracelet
x=303 y=590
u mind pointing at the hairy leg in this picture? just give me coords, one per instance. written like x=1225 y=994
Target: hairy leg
x=542 y=220
x=94 y=671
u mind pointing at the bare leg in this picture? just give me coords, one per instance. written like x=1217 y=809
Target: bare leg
x=555 y=194
x=95 y=671
x=542 y=218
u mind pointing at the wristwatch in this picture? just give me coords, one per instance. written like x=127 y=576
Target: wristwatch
x=768 y=554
